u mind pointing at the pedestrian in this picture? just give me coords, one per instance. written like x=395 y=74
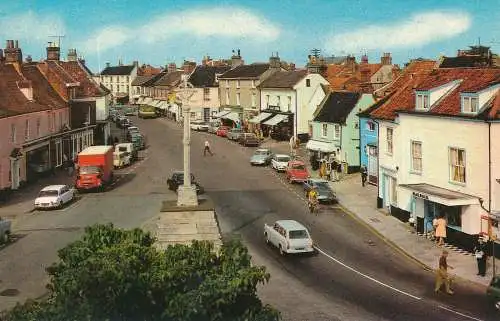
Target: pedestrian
x=207 y=149
x=364 y=175
x=442 y=276
x=440 y=232
x=479 y=253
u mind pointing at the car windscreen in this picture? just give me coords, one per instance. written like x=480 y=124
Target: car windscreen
x=122 y=149
x=298 y=234
x=322 y=185
x=298 y=167
x=90 y=170
x=283 y=159
x=261 y=152
x=48 y=193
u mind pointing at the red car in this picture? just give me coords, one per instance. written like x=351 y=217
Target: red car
x=222 y=131
x=296 y=171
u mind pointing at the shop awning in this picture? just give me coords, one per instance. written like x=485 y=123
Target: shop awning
x=276 y=120
x=221 y=113
x=232 y=116
x=319 y=146
x=260 y=117
x=441 y=195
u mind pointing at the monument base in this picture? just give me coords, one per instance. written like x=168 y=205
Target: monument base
x=186 y=196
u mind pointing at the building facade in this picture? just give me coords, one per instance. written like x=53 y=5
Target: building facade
x=118 y=80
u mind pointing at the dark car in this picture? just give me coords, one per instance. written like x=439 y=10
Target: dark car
x=493 y=292
x=325 y=193
x=177 y=179
x=249 y=139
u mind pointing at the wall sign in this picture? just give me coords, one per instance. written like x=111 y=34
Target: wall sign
x=420 y=195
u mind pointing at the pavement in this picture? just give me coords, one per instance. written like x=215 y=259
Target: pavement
x=354 y=276
x=360 y=202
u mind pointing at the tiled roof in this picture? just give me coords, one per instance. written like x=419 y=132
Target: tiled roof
x=204 y=76
x=283 y=79
x=169 y=79
x=88 y=87
x=337 y=106
x=246 y=71
x=463 y=61
x=148 y=70
x=117 y=70
x=43 y=93
x=140 y=80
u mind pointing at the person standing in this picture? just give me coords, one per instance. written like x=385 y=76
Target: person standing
x=480 y=254
x=440 y=229
x=442 y=276
x=207 y=149
x=364 y=175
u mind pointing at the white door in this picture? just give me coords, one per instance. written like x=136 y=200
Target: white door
x=372 y=165
x=15 y=172
x=387 y=191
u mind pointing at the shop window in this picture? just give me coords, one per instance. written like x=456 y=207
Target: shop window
x=416 y=156
x=457 y=165
x=389 y=140
x=324 y=130
x=453 y=216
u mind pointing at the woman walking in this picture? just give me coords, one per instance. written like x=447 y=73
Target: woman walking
x=440 y=233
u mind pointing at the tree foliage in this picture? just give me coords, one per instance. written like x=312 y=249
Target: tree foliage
x=114 y=274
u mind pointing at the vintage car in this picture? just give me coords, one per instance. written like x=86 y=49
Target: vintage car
x=199 y=126
x=493 y=292
x=289 y=236
x=325 y=193
x=279 y=162
x=177 y=179
x=54 y=196
x=121 y=159
x=248 y=139
x=296 y=171
x=262 y=156
x=222 y=131
x=5 y=230
x=234 y=133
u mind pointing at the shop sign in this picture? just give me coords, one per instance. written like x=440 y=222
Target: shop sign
x=420 y=195
x=274 y=107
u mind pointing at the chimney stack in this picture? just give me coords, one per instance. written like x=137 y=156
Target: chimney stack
x=171 y=67
x=108 y=65
x=13 y=53
x=188 y=67
x=72 y=55
x=386 y=59
x=120 y=63
x=136 y=64
x=29 y=59
x=236 y=59
x=1 y=55
x=53 y=52
x=364 y=59
x=292 y=66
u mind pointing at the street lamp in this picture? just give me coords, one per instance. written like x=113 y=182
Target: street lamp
x=186 y=194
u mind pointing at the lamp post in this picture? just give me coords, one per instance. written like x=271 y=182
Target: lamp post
x=186 y=194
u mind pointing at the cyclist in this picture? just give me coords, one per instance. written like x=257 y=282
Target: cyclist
x=312 y=199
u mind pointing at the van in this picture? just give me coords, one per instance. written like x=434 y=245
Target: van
x=129 y=148
x=121 y=159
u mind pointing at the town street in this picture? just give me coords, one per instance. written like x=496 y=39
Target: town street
x=354 y=276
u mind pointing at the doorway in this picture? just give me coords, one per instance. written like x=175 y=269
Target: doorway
x=372 y=165
x=15 y=173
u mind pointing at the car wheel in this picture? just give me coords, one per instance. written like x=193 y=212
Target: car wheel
x=267 y=238
x=282 y=252
x=497 y=305
x=60 y=205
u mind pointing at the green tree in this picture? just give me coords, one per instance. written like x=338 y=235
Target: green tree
x=114 y=274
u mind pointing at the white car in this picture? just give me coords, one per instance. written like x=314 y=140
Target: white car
x=289 y=236
x=54 y=196
x=279 y=162
x=199 y=126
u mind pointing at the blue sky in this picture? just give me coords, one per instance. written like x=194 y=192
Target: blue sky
x=162 y=31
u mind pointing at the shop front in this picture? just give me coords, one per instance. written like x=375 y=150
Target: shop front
x=37 y=158
x=228 y=117
x=461 y=211
x=279 y=126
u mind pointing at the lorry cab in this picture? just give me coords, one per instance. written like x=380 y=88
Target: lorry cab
x=129 y=148
x=95 y=168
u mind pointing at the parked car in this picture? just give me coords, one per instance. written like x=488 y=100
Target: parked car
x=132 y=130
x=121 y=159
x=493 y=292
x=213 y=127
x=289 y=236
x=54 y=196
x=222 y=131
x=177 y=179
x=249 y=139
x=199 y=125
x=262 y=156
x=296 y=171
x=5 y=230
x=234 y=133
x=279 y=162
x=129 y=148
x=325 y=193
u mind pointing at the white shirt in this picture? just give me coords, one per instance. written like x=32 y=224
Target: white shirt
x=207 y=144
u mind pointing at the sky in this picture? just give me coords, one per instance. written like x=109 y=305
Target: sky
x=162 y=31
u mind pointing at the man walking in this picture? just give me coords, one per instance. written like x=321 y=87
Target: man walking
x=364 y=175
x=207 y=149
x=479 y=253
x=442 y=276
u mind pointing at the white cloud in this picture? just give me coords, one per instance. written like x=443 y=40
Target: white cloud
x=30 y=26
x=218 y=22
x=419 y=30
x=109 y=37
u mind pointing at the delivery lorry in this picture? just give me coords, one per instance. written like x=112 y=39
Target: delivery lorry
x=94 y=168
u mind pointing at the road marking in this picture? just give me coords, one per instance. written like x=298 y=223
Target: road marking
x=366 y=276
x=458 y=313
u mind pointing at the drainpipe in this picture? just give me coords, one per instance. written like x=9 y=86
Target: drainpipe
x=378 y=158
x=295 y=118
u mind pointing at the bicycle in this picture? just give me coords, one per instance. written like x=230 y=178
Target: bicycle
x=313 y=207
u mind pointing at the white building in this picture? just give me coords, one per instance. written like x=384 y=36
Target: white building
x=291 y=97
x=205 y=101
x=437 y=152
x=118 y=79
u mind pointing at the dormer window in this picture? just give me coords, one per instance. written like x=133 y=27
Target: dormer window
x=422 y=102
x=470 y=104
